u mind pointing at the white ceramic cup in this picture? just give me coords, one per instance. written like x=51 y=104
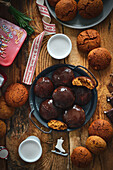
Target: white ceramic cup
x=59 y=46
x=30 y=150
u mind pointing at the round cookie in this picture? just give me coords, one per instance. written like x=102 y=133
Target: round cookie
x=88 y=40
x=99 y=58
x=95 y=144
x=81 y=157
x=90 y=9
x=53 y=2
x=62 y=76
x=63 y=97
x=43 y=87
x=2 y=128
x=66 y=10
x=48 y=111
x=74 y=117
x=101 y=128
x=16 y=95
x=5 y=111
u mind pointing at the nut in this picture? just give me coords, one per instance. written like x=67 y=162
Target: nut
x=84 y=81
x=56 y=124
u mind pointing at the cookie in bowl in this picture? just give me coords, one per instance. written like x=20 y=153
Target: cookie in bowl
x=63 y=97
x=66 y=10
x=62 y=76
x=48 y=111
x=43 y=87
x=74 y=117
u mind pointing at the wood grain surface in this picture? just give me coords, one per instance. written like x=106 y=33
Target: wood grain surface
x=19 y=126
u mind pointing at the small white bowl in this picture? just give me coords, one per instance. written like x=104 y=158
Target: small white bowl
x=59 y=46
x=30 y=149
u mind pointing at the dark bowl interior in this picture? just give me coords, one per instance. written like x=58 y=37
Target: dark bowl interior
x=35 y=101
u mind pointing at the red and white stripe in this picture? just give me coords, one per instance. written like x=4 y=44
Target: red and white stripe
x=37 y=42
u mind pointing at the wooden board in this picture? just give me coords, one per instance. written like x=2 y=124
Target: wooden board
x=19 y=126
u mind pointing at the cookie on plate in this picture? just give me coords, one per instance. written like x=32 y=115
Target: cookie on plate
x=90 y=9
x=81 y=157
x=99 y=58
x=16 y=95
x=101 y=128
x=53 y=2
x=88 y=40
x=66 y=10
x=5 y=111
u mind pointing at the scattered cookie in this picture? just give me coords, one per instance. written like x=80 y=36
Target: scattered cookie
x=99 y=58
x=95 y=144
x=101 y=128
x=83 y=81
x=16 y=95
x=53 y=2
x=5 y=111
x=81 y=157
x=57 y=125
x=2 y=128
x=90 y=9
x=66 y=10
x=88 y=40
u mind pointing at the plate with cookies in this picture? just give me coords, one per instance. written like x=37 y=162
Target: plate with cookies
x=63 y=97
x=79 y=14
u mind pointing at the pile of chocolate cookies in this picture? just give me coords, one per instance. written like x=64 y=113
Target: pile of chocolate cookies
x=63 y=97
x=100 y=133
x=66 y=10
x=89 y=41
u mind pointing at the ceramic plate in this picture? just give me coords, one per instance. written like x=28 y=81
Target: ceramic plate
x=35 y=101
x=81 y=23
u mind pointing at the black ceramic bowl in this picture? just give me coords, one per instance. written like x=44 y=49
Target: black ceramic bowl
x=35 y=101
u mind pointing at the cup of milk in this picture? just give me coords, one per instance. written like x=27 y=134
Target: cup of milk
x=30 y=150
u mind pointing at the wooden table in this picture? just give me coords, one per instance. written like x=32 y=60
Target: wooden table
x=20 y=127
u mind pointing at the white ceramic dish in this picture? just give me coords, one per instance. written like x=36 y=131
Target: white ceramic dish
x=30 y=149
x=59 y=46
x=80 y=23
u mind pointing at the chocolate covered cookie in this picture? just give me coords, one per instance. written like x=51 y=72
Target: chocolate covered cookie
x=66 y=10
x=43 y=87
x=88 y=40
x=62 y=76
x=63 y=97
x=74 y=117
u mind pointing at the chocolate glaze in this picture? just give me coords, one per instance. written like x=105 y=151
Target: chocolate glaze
x=63 y=76
x=43 y=87
x=63 y=97
x=48 y=111
x=74 y=117
x=82 y=95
